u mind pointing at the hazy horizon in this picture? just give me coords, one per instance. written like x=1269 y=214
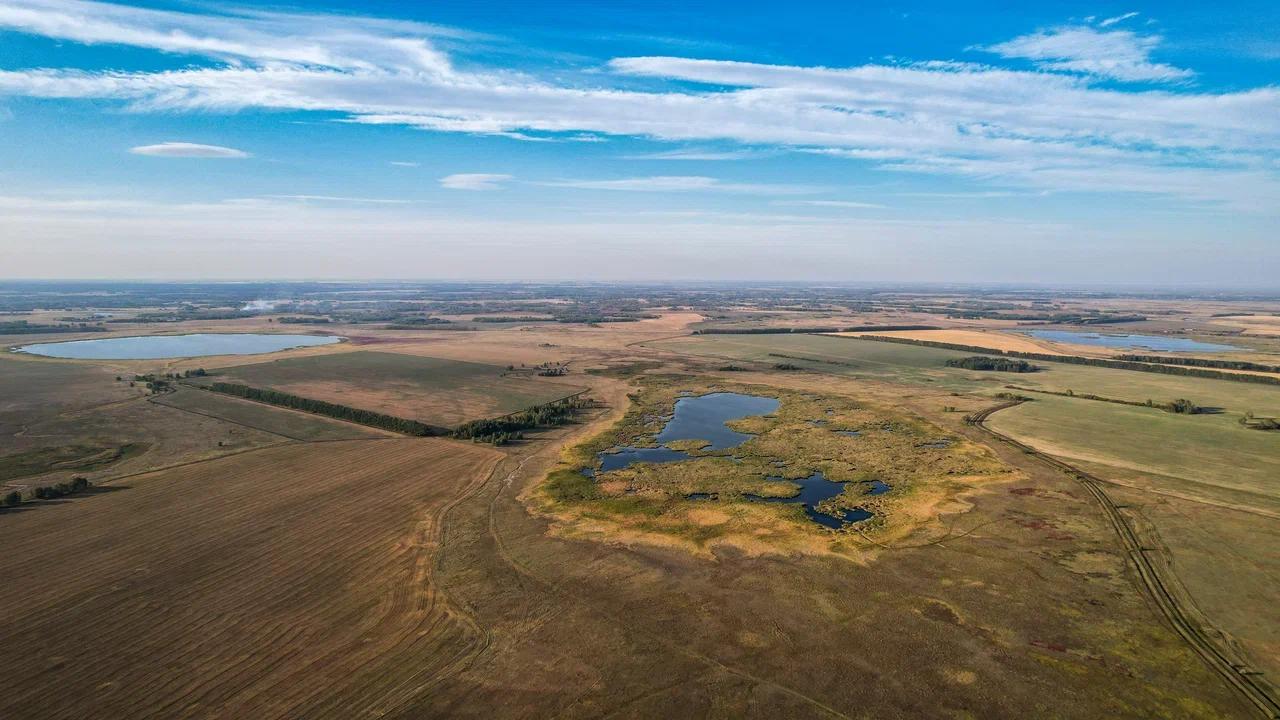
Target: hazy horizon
x=923 y=143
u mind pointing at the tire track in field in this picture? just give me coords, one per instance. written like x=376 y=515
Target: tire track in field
x=1157 y=583
x=558 y=590
x=250 y=622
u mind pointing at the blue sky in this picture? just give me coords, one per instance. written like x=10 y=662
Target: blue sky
x=1012 y=142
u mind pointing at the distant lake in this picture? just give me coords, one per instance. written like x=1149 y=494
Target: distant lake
x=1133 y=342
x=155 y=347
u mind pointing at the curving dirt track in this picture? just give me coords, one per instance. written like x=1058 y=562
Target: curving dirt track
x=289 y=581
x=1157 y=580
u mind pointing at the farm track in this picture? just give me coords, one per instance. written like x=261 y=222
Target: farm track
x=1157 y=582
x=524 y=573
x=269 y=584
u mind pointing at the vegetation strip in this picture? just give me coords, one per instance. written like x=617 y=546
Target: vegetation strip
x=1202 y=362
x=1246 y=681
x=503 y=429
x=319 y=407
x=1181 y=406
x=1078 y=360
x=806 y=330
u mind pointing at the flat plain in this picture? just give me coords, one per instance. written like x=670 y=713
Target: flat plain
x=247 y=561
x=433 y=390
x=284 y=582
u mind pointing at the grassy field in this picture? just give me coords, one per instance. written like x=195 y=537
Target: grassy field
x=432 y=390
x=279 y=421
x=1202 y=487
x=286 y=582
x=1212 y=451
x=32 y=391
x=920 y=365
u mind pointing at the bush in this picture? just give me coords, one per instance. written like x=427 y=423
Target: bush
x=1001 y=364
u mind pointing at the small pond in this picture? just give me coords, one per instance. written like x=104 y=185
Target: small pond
x=154 y=347
x=695 y=418
x=813 y=490
x=1138 y=342
x=704 y=417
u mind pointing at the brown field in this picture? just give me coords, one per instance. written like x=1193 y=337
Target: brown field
x=290 y=424
x=286 y=582
x=1265 y=325
x=989 y=339
x=434 y=390
x=423 y=578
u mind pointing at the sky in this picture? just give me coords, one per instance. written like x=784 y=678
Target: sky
x=1098 y=143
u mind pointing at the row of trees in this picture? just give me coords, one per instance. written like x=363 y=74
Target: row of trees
x=1202 y=362
x=77 y=484
x=502 y=430
x=1181 y=406
x=1001 y=364
x=1078 y=360
x=22 y=327
x=320 y=407
x=805 y=330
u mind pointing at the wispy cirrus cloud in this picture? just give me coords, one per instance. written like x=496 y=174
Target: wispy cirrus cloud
x=189 y=150
x=340 y=199
x=1115 y=54
x=683 y=183
x=474 y=181
x=1058 y=128
x=698 y=155
x=847 y=204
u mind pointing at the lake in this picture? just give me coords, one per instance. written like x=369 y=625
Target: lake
x=700 y=417
x=1133 y=342
x=813 y=490
x=155 y=347
x=703 y=417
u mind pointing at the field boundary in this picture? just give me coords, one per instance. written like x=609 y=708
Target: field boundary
x=276 y=398
x=1183 y=370
x=1187 y=622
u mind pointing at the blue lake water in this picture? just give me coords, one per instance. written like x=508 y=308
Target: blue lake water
x=813 y=490
x=154 y=347
x=1141 y=342
x=704 y=417
x=628 y=455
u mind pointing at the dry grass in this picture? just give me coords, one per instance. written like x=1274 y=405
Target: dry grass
x=988 y=339
x=287 y=582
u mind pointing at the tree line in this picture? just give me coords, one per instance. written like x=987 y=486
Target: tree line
x=1181 y=406
x=404 y=426
x=77 y=484
x=784 y=330
x=503 y=430
x=1077 y=360
x=1202 y=362
x=1000 y=364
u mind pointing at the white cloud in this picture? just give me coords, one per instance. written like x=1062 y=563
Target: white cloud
x=339 y=199
x=682 y=183
x=1115 y=54
x=838 y=204
x=706 y=155
x=474 y=181
x=1055 y=129
x=402 y=163
x=188 y=150
x=1117 y=19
